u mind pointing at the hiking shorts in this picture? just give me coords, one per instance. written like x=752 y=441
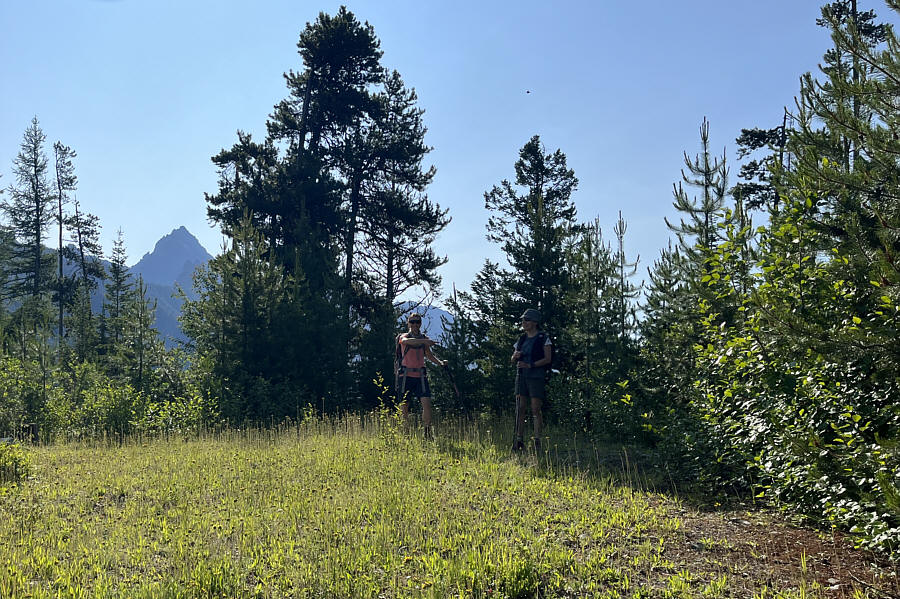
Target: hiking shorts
x=530 y=386
x=416 y=387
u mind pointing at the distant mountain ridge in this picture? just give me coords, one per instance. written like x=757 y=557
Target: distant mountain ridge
x=169 y=266
x=173 y=259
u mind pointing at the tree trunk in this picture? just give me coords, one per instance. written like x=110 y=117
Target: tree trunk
x=351 y=227
x=389 y=283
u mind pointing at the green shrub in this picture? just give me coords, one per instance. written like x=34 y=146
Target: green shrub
x=108 y=408
x=20 y=394
x=14 y=464
x=177 y=415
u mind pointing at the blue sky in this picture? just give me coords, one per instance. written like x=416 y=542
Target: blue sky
x=146 y=91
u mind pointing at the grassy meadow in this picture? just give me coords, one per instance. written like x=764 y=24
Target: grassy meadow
x=357 y=508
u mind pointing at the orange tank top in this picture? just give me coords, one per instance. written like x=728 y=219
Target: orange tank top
x=413 y=357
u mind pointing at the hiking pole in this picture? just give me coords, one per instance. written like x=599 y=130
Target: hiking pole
x=453 y=383
x=516 y=423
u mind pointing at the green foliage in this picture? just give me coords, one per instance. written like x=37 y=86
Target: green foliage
x=29 y=210
x=459 y=345
x=533 y=219
x=255 y=327
x=15 y=388
x=106 y=409
x=15 y=464
x=185 y=415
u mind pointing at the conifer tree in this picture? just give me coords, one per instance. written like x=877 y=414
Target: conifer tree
x=399 y=223
x=797 y=390
x=697 y=230
x=592 y=324
x=28 y=272
x=533 y=227
x=85 y=253
x=627 y=292
x=66 y=181
x=142 y=338
x=118 y=294
x=29 y=212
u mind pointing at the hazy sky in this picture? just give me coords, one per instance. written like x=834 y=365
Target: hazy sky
x=147 y=90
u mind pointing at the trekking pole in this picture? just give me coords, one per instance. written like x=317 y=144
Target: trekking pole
x=516 y=422
x=453 y=383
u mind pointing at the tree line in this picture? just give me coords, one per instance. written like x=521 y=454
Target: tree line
x=760 y=355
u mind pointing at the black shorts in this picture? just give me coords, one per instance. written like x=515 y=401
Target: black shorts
x=530 y=386
x=415 y=387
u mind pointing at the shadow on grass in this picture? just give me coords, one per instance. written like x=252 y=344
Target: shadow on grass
x=562 y=453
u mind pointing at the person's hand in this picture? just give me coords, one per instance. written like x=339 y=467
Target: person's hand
x=430 y=342
x=521 y=364
x=517 y=355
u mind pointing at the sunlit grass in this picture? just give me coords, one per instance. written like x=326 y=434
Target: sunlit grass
x=346 y=508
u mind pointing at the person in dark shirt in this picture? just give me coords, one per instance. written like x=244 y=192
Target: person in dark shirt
x=532 y=355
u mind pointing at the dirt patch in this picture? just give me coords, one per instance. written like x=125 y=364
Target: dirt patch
x=765 y=547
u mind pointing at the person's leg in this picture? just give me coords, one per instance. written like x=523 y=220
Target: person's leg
x=426 y=415
x=404 y=394
x=404 y=410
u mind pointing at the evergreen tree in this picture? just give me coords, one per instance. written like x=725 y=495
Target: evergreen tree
x=262 y=335
x=118 y=294
x=246 y=187
x=399 y=224
x=488 y=307
x=757 y=188
x=667 y=333
x=533 y=228
x=626 y=291
x=340 y=174
x=593 y=325
x=29 y=212
x=698 y=229
x=796 y=390
x=28 y=272
x=66 y=182
x=85 y=254
x=460 y=346
x=325 y=121
x=141 y=337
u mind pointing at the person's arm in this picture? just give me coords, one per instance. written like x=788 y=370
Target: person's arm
x=434 y=358
x=546 y=359
x=517 y=355
x=413 y=342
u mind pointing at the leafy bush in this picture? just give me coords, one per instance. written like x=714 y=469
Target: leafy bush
x=177 y=415
x=14 y=463
x=20 y=394
x=806 y=421
x=107 y=408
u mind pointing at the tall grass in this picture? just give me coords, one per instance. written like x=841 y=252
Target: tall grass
x=356 y=506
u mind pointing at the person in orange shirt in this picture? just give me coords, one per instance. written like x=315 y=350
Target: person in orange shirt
x=413 y=348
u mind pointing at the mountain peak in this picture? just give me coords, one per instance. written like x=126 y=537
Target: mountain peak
x=173 y=259
x=178 y=236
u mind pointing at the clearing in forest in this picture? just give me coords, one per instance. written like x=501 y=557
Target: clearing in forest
x=355 y=508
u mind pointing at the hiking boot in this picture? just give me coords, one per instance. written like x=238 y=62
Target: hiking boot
x=518 y=445
x=537 y=445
